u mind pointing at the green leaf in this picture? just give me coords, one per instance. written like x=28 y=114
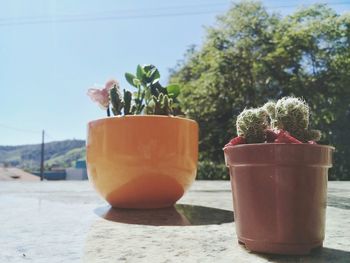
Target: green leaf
x=154 y=76
x=140 y=73
x=130 y=79
x=147 y=68
x=155 y=81
x=148 y=94
x=143 y=95
x=173 y=90
x=137 y=82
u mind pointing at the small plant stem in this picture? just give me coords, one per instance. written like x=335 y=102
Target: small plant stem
x=141 y=101
x=138 y=99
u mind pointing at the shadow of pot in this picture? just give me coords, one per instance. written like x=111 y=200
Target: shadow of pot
x=279 y=195
x=179 y=215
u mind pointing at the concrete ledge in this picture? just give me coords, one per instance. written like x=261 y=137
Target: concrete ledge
x=65 y=221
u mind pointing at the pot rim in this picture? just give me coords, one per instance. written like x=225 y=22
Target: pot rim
x=156 y=117
x=253 y=145
x=279 y=154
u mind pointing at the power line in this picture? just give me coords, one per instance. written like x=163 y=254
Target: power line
x=46 y=21
x=290 y=6
x=47 y=135
x=100 y=17
x=124 y=11
x=18 y=129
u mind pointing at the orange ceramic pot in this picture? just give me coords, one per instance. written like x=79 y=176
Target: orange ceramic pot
x=142 y=161
x=279 y=195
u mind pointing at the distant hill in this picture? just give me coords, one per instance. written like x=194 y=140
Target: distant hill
x=61 y=153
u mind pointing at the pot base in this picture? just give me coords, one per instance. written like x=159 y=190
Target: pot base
x=147 y=192
x=279 y=248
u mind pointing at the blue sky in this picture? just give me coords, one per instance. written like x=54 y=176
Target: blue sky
x=52 y=51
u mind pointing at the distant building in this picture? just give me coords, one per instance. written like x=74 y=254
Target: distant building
x=79 y=172
x=55 y=174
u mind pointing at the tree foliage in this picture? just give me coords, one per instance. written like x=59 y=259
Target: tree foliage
x=251 y=56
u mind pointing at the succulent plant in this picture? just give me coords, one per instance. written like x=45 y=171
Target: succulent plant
x=116 y=100
x=127 y=102
x=151 y=97
x=251 y=124
x=160 y=106
x=292 y=115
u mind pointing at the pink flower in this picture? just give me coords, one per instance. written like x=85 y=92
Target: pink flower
x=101 y=96
x=110 y=84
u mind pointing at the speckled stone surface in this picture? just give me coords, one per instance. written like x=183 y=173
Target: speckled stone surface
x=68 y=222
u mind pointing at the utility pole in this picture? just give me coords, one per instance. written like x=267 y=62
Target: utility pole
x=42 y=156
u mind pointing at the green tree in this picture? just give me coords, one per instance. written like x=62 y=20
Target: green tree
x=251 y=56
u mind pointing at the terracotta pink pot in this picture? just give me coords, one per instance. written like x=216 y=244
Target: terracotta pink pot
x=279 y=195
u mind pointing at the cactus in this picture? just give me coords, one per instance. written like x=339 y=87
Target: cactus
x=167 y=105
x=127 y=103
x=160 y=106
x=292 y=115
x=313 y=135
x=270 y=108
x=286 y=121
x=251 y=124
x=116 y=100
x=309 y=135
